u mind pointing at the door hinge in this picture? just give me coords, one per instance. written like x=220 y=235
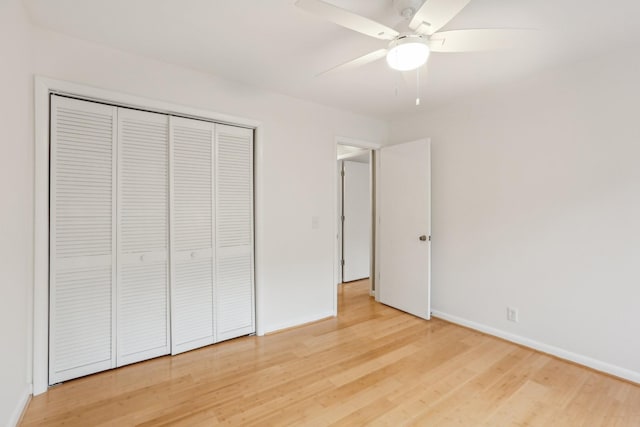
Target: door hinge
x=342 y=262
x=342 y=218
x=342 y=172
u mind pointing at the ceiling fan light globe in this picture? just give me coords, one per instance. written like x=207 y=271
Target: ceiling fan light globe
x=407 y=53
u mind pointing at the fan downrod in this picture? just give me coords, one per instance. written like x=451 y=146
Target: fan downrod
x=407 y=8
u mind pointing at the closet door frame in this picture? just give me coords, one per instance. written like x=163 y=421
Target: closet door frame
x=43 y=88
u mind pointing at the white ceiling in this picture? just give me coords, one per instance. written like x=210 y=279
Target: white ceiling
x=273 y=45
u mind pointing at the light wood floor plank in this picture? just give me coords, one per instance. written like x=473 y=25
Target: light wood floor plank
x=372 y=365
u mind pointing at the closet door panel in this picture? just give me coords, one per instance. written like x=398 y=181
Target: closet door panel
x=82 y=238
x=234 y=231
x=143 y=236
x=192 y=290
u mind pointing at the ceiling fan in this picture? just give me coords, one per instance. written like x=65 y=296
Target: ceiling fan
x=410 y=50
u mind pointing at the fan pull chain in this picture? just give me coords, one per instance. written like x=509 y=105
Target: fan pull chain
x=417 y=86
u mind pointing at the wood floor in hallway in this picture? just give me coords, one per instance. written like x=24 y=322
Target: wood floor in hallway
x=372 y=365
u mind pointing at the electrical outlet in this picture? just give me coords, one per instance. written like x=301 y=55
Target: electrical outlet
x=512 y=314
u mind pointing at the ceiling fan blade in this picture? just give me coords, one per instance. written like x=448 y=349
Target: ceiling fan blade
x=347 y=19
x=362 y=60
x=478 y=40
x=435 y=14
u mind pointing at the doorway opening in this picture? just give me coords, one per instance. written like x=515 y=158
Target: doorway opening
x=355 y=211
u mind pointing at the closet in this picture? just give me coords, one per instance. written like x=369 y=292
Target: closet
x=151 y=235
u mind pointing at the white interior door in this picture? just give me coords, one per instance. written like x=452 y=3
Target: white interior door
x=404 y=212
x=151 y=236
x=338 y=264
x=356 y=235
x=82 y=249
x=143 y=236
x=192 y=234
x=235 y=314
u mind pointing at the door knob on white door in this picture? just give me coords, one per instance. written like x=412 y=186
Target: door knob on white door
x=422 y=238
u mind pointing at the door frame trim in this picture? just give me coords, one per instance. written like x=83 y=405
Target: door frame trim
x=39 y=315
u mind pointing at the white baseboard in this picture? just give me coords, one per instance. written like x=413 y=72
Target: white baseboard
x=20 y=408
x=580 y=359
x=298 y=322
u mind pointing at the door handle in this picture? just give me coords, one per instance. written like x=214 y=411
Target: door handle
x=422 y=238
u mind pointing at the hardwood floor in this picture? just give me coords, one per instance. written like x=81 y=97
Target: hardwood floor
x=372 y=365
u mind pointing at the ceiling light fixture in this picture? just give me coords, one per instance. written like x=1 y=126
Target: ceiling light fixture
x=408 y=52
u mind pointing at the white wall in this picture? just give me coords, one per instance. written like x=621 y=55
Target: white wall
x=16 y=209
x=295 y=175
x=536 y=204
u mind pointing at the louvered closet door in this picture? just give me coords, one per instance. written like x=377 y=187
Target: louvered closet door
x=82 y=238
x=192 y=290
x=234 y=232
x=143 y=236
